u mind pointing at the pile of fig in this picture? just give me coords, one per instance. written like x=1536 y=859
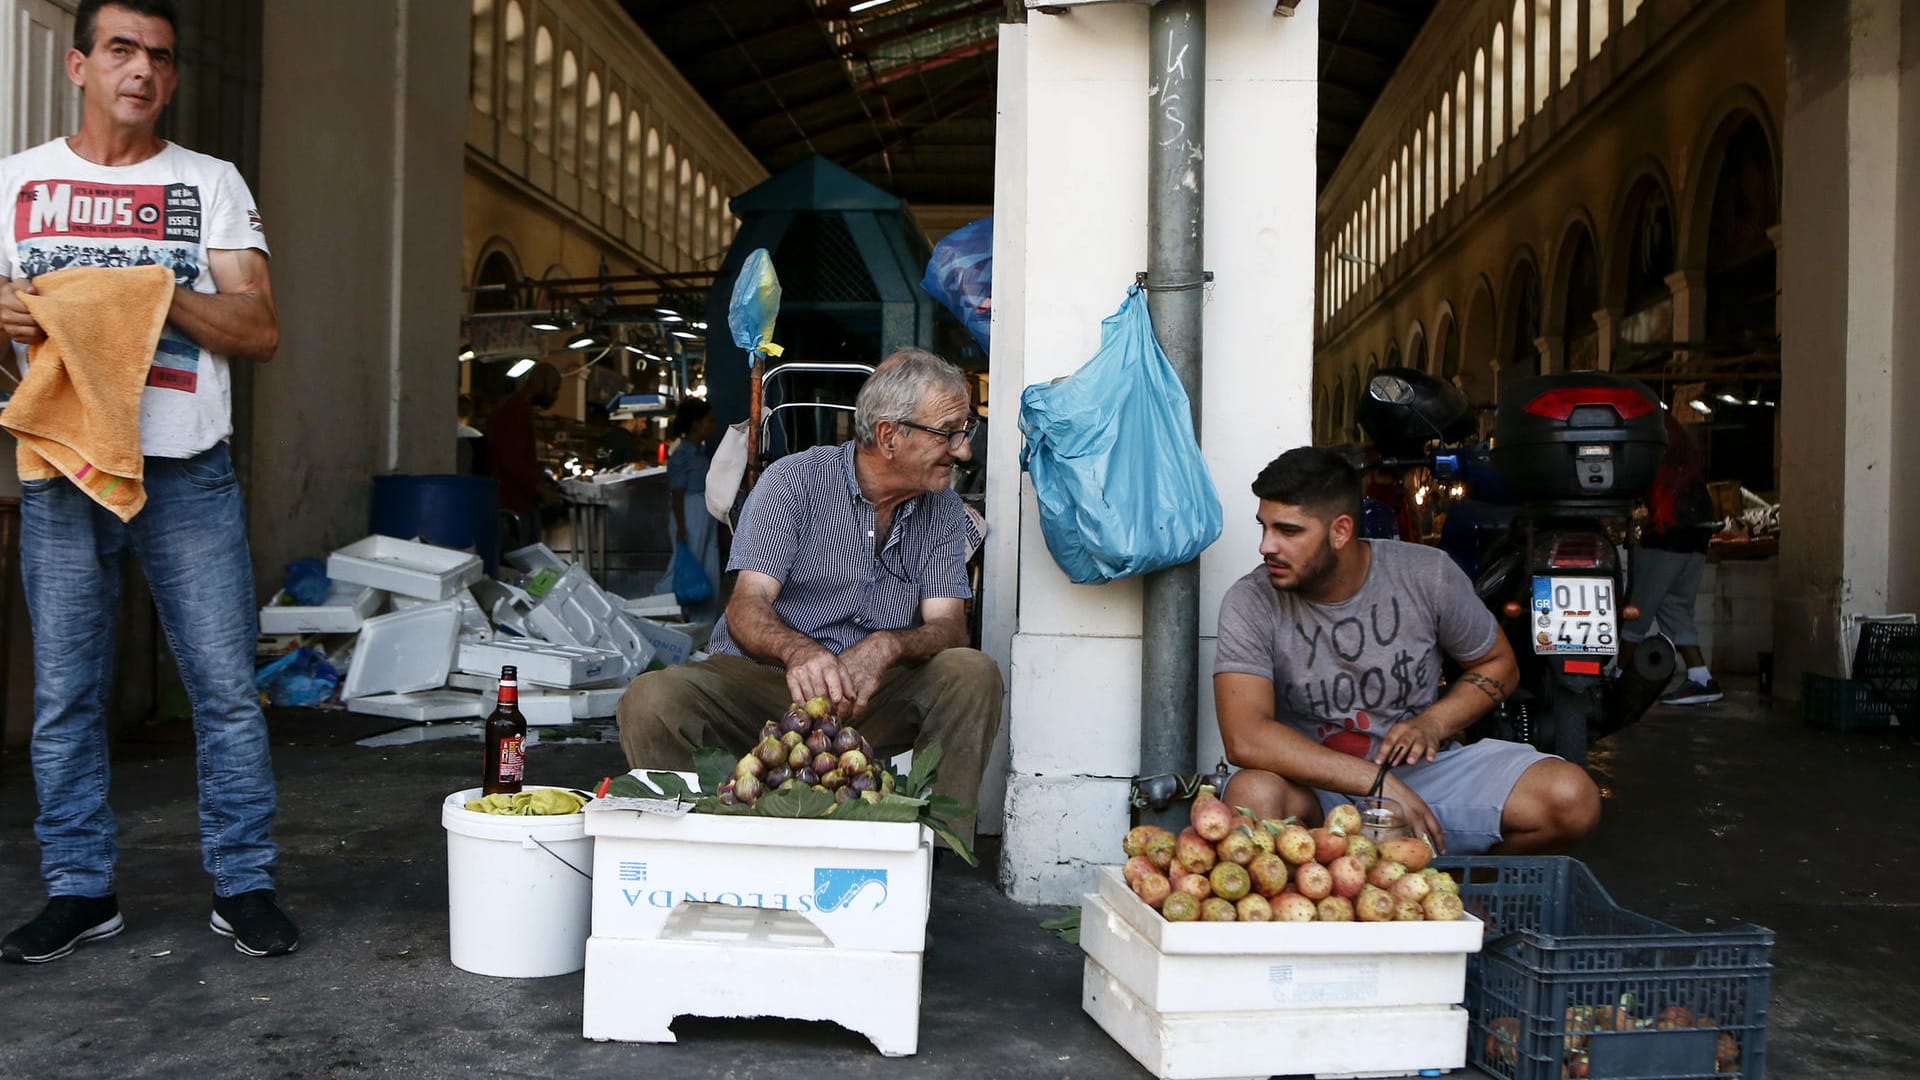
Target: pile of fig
x=1229 y=866
x=808 y=747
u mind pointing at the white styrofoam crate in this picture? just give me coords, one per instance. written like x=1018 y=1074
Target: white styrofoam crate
x=405 y=567
x=1354 y=1041
x=541 y=663
x=403 y=651
x=535 y=556
x=661 y=607
x=346 y=607
x=747 y=962
x=1265 y=975
x=865 y=884
x=423 y=706
x=1178 y=967
x=597 y=703
x=546 y=710
x=670 y=646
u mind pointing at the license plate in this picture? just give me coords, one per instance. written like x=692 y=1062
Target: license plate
x=1574 y=615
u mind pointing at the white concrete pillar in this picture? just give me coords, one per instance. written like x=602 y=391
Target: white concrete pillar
x=361 y=191
x=1080 y=87
x=1840 y=205
x=1688 y=289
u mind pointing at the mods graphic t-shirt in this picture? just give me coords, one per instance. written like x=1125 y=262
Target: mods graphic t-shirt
x=1343 y=674
x=62 y=211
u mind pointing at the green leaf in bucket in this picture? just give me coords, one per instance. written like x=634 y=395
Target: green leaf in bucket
x=926 y=766
x=795 y=802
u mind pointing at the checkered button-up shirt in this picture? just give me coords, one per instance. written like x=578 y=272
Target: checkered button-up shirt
x=807 y=526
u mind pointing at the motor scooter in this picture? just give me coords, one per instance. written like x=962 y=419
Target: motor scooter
x=1572 y=451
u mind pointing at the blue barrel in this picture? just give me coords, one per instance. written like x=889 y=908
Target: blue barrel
x=449 y=510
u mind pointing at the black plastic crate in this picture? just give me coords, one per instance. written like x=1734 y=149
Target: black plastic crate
x=1845 y=705
x=1569 y=984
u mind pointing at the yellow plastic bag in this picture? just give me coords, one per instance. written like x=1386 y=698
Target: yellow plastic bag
x=543 y=802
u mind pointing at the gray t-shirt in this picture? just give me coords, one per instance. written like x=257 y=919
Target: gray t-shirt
x=1344 y=673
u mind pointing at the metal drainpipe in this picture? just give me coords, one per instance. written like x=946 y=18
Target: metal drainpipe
x=1169 y=662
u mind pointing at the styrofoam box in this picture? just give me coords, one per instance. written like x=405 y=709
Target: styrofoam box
x=863 y=883
x=597 y=703
x=1226 y=967
x=1355 y=1041
x=670 y=646
x=539 y=662
x=405 y=567
x=424 y=706
x=346 y=607
x=403 y=651
x=659 y=607
x=713 y=960
x=546 y=710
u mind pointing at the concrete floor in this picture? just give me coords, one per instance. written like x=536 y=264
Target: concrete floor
x=1714 y=816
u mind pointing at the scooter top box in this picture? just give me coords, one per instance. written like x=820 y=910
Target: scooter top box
x=865 y=884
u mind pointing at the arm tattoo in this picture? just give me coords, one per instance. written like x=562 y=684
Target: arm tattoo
x=1490 y=687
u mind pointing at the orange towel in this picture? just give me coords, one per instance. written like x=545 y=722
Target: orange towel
x=77 y=413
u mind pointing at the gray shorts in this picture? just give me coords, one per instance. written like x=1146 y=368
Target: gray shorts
x=1664 y=584
x=1467 y=787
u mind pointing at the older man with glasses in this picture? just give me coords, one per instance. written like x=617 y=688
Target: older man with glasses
x=852 y=586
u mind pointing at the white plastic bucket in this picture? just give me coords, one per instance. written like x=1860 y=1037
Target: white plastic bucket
x=519 y=891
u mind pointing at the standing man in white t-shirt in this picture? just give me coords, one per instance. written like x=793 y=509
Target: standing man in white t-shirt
x=116 y=194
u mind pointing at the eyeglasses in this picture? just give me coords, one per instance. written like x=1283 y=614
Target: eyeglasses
x=954 y=437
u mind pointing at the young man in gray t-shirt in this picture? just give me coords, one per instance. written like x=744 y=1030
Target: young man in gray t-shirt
x=1329 y=664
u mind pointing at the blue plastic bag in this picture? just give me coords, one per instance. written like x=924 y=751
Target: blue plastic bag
x=960 y=276
x=690 y=584
x=1122 y=487
x=754 y=306
x=302 y=677
x=306 y=583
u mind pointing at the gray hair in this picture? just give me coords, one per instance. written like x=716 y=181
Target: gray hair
x=898 y=385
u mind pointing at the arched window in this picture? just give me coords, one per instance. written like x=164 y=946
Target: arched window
x=1417 y=353
x=590 y=133
x=1478 y=133
x=516 y=65
x=540 y=130
x=1404 y=203
x=1596 y=26
x=684 y=201
x=698 y=247
x=1449 y=352
x=1578 y=329
x=1419 y=175
x=502 y=279
x=1496 y=92
x=1569 y=39
x=1628 y=9
x=1393 y=207
x=1460 y=131
x=1542 y=52
x=1517 y=87
x=669 y=194
x=1393 y=359
x=480 y=72
x=568 y=137
x=1446 y=142
x=615 y=125
x=650 y=179
x=1433 y=151
x=716 y=208
x=632 y=198
x=1523 y=322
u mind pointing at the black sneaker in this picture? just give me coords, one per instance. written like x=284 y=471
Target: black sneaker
x=66 y=921
x=1693 y=693
x=255 y=923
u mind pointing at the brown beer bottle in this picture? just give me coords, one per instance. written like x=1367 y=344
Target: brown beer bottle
x=506 y=737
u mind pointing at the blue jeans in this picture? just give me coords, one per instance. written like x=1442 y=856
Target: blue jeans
x=191 y=540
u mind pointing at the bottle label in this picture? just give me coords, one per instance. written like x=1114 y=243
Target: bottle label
x=509 y=693
x=513 y=760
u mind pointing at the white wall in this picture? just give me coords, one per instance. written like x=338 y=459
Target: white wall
x=1074 y=109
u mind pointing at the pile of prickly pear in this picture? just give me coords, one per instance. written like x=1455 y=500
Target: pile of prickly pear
x=808 y=747
x=1230 y=866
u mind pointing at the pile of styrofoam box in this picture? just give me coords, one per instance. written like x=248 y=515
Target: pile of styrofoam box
x=707 y=915
x=1197 y=1000
x=437 y=654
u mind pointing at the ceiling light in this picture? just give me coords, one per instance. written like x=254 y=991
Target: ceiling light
x=671 y=319
x=863 y=5
x=520 y=367
x=700 y=391
x=1728 y=398
x=699 y=326
x=546 y=323
x=686 y=335
x=584 y=341
x=635 y=350
x=466 y=355
x=1700 y=407
x=667 y=311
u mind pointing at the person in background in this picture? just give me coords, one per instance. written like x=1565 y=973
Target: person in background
x=513 y=455
x=191 y=536
x=693 y=526
x=631 y=441
x=1667 y=568
x=466 y=448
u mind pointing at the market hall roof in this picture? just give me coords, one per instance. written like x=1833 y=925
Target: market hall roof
x=902 y=93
